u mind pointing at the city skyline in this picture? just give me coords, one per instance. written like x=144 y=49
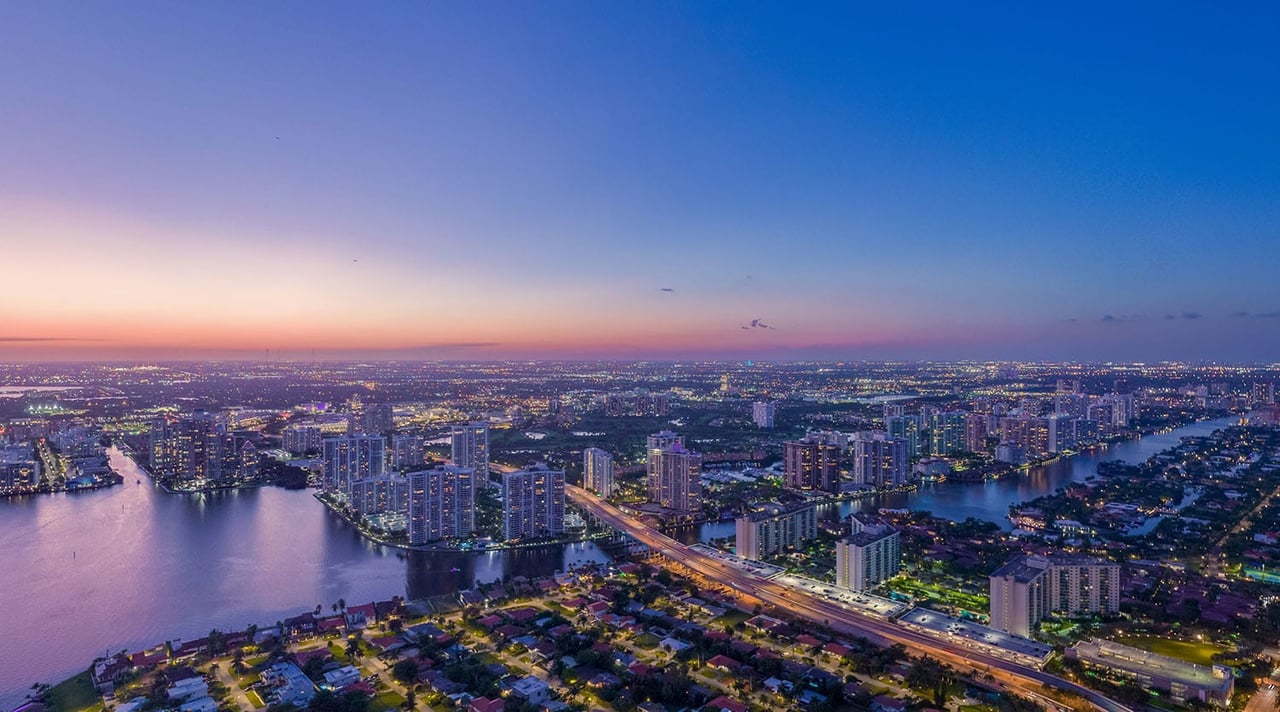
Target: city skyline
x=653 y=181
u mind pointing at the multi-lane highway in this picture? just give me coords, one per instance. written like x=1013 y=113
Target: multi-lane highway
x=1024 y=679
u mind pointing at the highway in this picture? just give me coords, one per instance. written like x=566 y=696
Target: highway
x=1024 y=679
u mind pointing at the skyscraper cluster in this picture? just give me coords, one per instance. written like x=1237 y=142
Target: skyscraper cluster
x=673 y=473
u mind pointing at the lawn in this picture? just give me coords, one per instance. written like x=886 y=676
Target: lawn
x=1191 y=651
x=646 y=641
x=732 y=616
x=389 y=700
x=73 y=694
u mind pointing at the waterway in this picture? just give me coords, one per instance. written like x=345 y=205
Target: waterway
x=990 y=500
x=85 y=573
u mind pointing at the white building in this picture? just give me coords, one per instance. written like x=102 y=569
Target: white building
x=469 y=447
x=442 y=503
x=653 y=446
x=774 y=530
x=762 y=413
x=597 y=471
x=301 y=439
x=351 y=458
x=870 y=555
x=533 y=503
x=677 y=481
x=1030 y=588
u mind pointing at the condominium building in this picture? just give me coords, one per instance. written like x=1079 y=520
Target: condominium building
x=811 y=464
x=947 y=433
x=533 y=503
x=352 y=458
x=775 y=529
x=677 y=482
x=441 y=503
x=406 y=452
x=1030 y=588
x=879 y=460
x=597 y=471
x=907 y=429
x=870 y=555
x=386 y=494
x=654 y=444
x=469 y=448
x=762 y=413
x=301 y=439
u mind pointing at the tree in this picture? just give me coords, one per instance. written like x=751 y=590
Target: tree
x=406 y=670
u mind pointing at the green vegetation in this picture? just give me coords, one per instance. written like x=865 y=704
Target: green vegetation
x=945 y=595
x=73 y=694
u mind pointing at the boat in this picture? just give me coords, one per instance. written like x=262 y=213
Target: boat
x=454 y=570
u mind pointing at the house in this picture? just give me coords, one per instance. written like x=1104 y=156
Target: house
x=673 y=645
x=287 y=685
x=885 y=703
x=470 y=597
x=188 y=688
x=531 y=690
x=484 y=704
x=723 y=662
x=360 y=616
x=200 y=704
x=105 y=671
x=727 y=704
x=342 y=677
x=776 y=686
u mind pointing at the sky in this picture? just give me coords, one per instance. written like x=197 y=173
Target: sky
x=1094 y=181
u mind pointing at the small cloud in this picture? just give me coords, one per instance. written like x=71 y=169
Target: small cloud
x=1267 y=315
x=1167 y=317
x=665 y=289
x=745 y=328
x=1112 y=318
x=1191 y=315
x=1240 y=314
x=757 y=324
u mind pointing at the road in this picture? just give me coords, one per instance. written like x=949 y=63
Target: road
x=1264 y=700
x=1026 y=680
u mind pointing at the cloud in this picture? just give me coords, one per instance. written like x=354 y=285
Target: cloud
x=665 y=289
x=1113 y=318
x=757 y=324
x=1267 y=315
x=1240 y=315
x=39 y=339
x=1189 y=315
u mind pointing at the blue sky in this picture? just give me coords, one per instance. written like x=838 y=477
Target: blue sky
x=927 y=180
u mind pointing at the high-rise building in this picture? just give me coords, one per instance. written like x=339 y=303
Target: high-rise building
x=19 y=468
x=811 y=464
x=677 y=482
x=301 y=439
x=385 y=494
x=879 y=460
x=907 y=429
x=975 y=432
x=352 y=458
x=597 y=471
x=774 y=529
x=894 y=410
x=1263 y=393
x=373 y=419
x=1029 y=433
x=654 y=444
x=868 y=557
x=762 y=413
x=406 y=452
x=1075 y=405
x=533 y=503
x=947 y=435
x=442 y=502
x=1029 y=588
x=197 y=448
x=469 y=447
